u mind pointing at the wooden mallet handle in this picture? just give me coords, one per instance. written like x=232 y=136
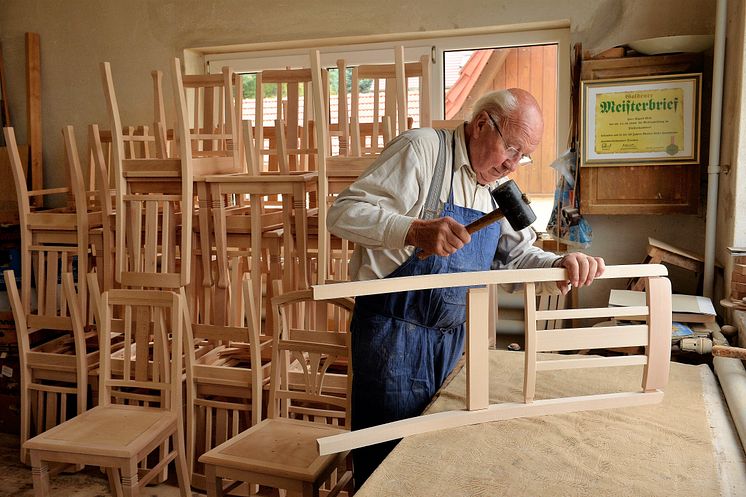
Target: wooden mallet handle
x=484 y=221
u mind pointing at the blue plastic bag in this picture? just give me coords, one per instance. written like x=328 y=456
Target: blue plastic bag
x=565 y=223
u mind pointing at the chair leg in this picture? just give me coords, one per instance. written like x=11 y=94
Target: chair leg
x=130 y=478
x=163 y=476
x=115 y=484
x=40 y=475
x=182 y=471
x=25 y=423
x=213 y=482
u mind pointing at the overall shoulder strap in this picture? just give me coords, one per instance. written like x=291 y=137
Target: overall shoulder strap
x=432 y=203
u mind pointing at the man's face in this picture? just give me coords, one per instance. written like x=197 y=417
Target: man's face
x=495 y=152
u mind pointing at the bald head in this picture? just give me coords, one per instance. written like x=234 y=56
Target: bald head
x=506 y=125
x=527 y=116
x=517 y=112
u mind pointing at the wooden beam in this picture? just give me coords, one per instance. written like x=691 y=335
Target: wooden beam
x=500 y=277
x=33 y=110
x=477 y=347
x=495 y=412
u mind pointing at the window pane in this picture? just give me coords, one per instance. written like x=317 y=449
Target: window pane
x=469 y=74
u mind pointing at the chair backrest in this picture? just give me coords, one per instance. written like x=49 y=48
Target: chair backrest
x=311 y=377
x=150 y=368
x=227 y=376
x=54 y=369
x=152 y=194
x=56 y=239
x=213 y=130
x=364 y=133
x=295 y=112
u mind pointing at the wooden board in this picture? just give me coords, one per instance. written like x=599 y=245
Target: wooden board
x=33 y=108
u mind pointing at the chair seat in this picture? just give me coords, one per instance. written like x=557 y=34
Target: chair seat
x=114 y=430
x=277 y=447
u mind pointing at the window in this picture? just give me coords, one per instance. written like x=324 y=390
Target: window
x=534 y=57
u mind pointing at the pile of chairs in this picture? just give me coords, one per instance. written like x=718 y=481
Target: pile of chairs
x=164 y=313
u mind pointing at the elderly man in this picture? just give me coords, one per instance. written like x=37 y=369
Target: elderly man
x=414 y=201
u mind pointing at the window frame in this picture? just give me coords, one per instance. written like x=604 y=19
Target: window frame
x=373 y=49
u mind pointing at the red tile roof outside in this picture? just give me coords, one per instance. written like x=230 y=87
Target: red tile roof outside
x=457 y=94
x=366 y=108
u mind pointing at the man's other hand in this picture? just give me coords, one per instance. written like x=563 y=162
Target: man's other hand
x=442 y=236
x=581 y=269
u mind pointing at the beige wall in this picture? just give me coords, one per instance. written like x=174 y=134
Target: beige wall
x=137 y=36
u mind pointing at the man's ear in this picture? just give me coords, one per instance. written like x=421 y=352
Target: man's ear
x=481 y=123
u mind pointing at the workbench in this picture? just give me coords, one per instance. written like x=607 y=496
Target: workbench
x=685 y=446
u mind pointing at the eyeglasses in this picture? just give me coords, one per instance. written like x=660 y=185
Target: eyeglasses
x=512 y=152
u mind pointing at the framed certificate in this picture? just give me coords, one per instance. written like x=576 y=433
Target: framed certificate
x=638 y=121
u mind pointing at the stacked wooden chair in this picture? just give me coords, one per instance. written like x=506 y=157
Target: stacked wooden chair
x=360 y=143
x=140 y=407
x=58 y=353
x=293 y=120
x=153 y=225
x=309 y=398
x=153 y=206
x=262 y=214
x=226 y=381
x=365 y=137
x=52 y=371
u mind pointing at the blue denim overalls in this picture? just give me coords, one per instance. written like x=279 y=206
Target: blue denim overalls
x=405 y=344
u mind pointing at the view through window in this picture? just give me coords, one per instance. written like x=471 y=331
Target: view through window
x=469 y=74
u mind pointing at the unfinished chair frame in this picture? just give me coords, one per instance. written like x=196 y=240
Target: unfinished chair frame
x=158 y=190
x=289 y=126
x=395 y=119
x=305 y=386
x=655 y=335
x=51 y=371
x=56 y=236
x=224 y=396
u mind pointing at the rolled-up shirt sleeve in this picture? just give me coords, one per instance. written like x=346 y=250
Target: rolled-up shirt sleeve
x=377 y=210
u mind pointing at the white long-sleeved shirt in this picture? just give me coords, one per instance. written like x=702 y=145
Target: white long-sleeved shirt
x=376 y=211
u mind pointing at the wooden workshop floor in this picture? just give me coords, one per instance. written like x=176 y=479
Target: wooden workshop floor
x=15 y=478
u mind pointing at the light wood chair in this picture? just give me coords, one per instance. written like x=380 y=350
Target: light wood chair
x=214 y=142
x=365 y=136
x=53 y=368
x=139 y=410
x=293 y=140
x=154 y=198
x=654 y=334
x=228 y=375
x=51 y=240
x=214 y=132
x=309 y=398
